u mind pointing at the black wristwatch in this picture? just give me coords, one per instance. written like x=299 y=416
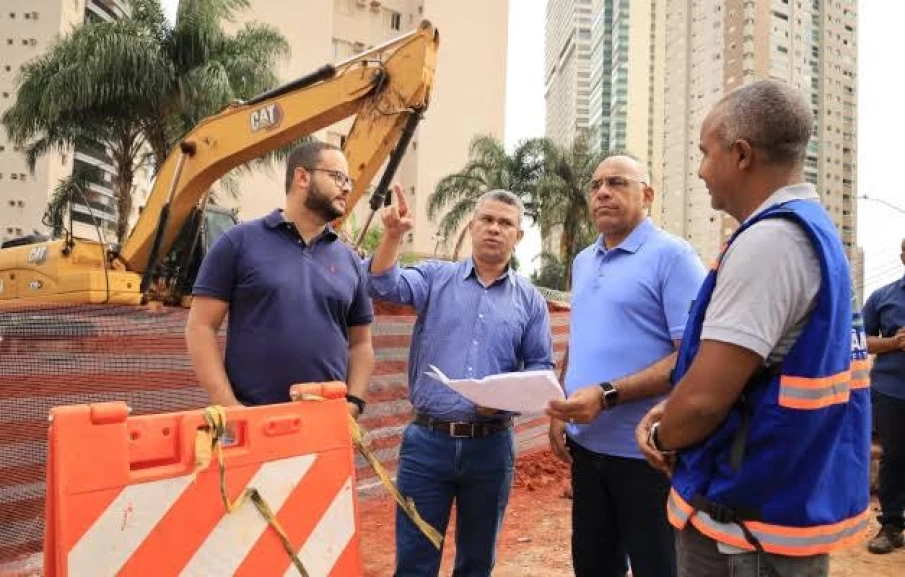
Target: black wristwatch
x=358 y=402
x=609 y=395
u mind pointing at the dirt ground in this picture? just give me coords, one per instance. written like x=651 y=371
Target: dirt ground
x=536 y=532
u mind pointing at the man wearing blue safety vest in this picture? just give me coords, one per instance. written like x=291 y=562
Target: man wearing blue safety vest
x=766 y=433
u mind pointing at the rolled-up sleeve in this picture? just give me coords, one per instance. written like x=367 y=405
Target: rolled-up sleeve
x=537 y=342
x=405 y=286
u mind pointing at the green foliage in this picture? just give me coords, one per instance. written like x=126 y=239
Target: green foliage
x=489 y=167
x=140 y=84
x=550 y=179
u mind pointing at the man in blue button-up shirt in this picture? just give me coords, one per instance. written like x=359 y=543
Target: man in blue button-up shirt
x=884 y=323
x=475 y=318
x=631 y=295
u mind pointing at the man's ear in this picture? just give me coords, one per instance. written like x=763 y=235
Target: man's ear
x=519 y=236
x=648 y=198
x=301 y=177
x=744 y=154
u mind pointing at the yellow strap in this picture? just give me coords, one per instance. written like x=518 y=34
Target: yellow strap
x=205 y=441
x=406 y=504
x=359 y=438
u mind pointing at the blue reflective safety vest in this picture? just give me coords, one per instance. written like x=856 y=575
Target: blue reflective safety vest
x=787 y=471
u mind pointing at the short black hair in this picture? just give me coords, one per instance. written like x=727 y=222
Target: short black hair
x=306 y=155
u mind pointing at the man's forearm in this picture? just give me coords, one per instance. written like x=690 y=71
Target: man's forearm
x=387 y=253
x=208 y=364
x=650 y=382
x=361 y=367
x=881 y=345
x=687 y=422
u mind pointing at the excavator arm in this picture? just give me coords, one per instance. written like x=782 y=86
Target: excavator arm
x=386 y=88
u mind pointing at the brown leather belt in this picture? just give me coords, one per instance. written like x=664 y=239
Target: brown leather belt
x=463 y=429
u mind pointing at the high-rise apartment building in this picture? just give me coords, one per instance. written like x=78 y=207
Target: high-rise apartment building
x=567 y=64
x=715 y=46
x=468 y=97
x=27 y=29
x=627 y=61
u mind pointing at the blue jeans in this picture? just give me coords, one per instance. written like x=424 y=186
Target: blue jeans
x=434 y=470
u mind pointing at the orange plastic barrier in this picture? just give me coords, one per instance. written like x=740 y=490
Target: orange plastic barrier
x=126 y=495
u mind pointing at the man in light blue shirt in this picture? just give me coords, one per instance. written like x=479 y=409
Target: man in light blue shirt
x=631 y=294
x=475 y=318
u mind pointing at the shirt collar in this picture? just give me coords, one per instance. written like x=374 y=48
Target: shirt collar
x=803 y=191
x=468 y=270
x=277 y=219
x=633 y=241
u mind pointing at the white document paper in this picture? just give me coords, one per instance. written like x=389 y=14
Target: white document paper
x=524 y=392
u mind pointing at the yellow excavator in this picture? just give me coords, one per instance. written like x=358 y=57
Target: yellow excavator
x=386 y=88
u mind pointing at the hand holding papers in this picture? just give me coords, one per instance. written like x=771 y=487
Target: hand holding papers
x=524 y=392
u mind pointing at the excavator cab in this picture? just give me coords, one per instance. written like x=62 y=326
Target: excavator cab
x=176 y=273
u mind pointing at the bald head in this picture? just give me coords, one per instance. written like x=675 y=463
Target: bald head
x=627 y=165
x=772 y=116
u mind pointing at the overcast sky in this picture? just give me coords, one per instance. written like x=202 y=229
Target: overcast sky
x=881 y=121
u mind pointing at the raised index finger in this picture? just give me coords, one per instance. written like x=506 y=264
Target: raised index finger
x=401 y=201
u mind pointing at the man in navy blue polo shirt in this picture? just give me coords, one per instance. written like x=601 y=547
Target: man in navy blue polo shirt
x=631 y=293
x=476 y=317
x=884 y=323
x=295 y=293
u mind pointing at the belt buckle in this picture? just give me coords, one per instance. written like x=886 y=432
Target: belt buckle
x=454 y=427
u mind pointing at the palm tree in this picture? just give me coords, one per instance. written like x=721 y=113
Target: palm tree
x=489 y=167
x=68 y=190
x=561 y=200
x=139 y=84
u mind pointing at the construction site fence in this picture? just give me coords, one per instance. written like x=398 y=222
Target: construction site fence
x=60 y=354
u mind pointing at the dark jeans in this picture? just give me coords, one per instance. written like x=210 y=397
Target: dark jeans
x=699 y=557
x=619 y=515
x=889 y=415
x=436 y=469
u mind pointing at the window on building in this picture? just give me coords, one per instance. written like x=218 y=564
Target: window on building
x=395 y=20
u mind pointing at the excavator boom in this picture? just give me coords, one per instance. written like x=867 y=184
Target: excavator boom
x=383 y=88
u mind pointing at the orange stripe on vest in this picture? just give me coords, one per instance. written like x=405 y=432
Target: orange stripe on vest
x=779 y=539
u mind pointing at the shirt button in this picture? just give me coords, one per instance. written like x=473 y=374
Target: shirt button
x=474 y=342
x=480 y=316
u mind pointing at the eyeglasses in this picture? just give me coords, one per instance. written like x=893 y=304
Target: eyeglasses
x=614 y=183
x=338 y=177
